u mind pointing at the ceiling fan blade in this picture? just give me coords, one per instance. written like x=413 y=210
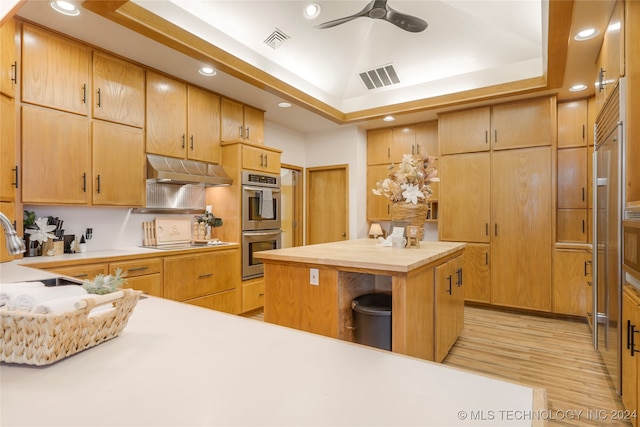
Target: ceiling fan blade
x=406 y=22
x=363 y=12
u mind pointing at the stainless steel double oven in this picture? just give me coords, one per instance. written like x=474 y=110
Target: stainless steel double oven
x=261 y=219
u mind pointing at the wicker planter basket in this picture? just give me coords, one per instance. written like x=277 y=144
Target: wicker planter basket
x=41 y=339
x=413 y=214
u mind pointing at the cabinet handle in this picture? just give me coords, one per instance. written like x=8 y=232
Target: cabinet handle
x=191 y=138
x=486 y=228
x=261 y=160
x=261 y=295
x=14 y=72
x=137 y=269
x=266 y=160
x=98 y=184
x=15 y=170
x=495 y=229
x=202 y=276
x=486 y=136
x=84 y=93
x=631 y=338
x=413 y=149
x=84 y=182
x=601 y=80
x=248 y=137
x=78 y=276
x=486 y=258
x=459 y=274
x=583 y=193
x=584 y=131
x=240 y=129
x=417 y=148
x=184 y=137
x=99 y=98
x=388 y=152
x=449 y=278
x=495 y=136
x=583 y=226
x=589 y=283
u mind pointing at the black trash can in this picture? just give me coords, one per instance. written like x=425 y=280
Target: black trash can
x=372 y=316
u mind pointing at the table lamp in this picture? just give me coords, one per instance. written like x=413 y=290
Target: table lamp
x=375 y=230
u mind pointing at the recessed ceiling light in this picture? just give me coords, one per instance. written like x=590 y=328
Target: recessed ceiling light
x=284 y=104
x=312 y=10
x=577 y=88
x=587 y=34
x=207 y=71
x=389 y=119
x=65 y=7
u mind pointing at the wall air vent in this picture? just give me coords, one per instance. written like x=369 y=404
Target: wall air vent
x=276 y=39
x=380 y=77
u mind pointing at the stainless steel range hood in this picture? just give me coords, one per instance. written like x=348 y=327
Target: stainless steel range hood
x=180 y=171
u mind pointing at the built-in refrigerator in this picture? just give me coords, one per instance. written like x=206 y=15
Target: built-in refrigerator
x=608 y=201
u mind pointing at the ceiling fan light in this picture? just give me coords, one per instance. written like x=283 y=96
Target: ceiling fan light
x=312 y=10
x=65 y=7
x=586 y=34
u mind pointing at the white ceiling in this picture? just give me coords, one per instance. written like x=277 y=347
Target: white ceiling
x=467 y=44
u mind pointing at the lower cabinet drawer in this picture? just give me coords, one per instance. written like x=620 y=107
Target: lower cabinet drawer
x=150 y=284
x=82 y=272
x=137 y=267
x=222 y=301
x=252 y=295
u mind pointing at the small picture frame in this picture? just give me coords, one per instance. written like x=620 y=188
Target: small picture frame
x=413 y=231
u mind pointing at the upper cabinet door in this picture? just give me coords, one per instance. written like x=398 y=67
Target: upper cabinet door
x=232 y=121
x=464 y=131
x=529 y=123
x=572 y=124
x=403 y=141
x=379 y=146
x=8 y=166
x=166 y=116
x=8 y=59
x=204 y=125
x=253 y=125
x=118 y=88
x=55 y=71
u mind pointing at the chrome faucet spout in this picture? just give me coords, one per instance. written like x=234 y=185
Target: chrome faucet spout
x=14 y=243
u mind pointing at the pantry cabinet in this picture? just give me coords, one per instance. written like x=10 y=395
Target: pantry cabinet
x=241 y=122
x=182 y=120
x=631 y=351
x=8 y=59
x=118 y=165
x=449 y=306
x=118 y=90
x=56 y=157
x=9 y=172
x=55 y=71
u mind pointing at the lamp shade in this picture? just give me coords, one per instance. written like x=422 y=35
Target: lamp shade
x=375 y=230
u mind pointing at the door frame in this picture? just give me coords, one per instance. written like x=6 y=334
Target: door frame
x=298 y=196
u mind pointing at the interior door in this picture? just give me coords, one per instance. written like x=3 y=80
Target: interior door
x=291 y=206
x=327 y=204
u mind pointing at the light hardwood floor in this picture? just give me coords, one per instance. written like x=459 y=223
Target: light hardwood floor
x=554 y=354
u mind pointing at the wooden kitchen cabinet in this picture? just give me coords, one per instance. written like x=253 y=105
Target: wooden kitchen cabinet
x=82 y=272
x=241 y=122
x=252 y=294
x=377 y=206
x=610 y=63
x=520 y=229
x=143 y=274
x=8 y=166
x=572 y=178
x=261 y=159
x=573 y=124
x=427 y=138
x=188 y=277
x=55 y=71
x=573 y=226
x=631 y=351
x=8 y=58
x=118 y=88
x=56 y=159
x=449 y=306
x=477 y=272
x=118 y=165
x=182 y=120
x=465 y=197
x=571 y=282
x=379 y=146
x=464 y=131
x=9 y=209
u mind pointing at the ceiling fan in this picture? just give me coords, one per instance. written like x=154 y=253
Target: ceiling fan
x=378 y=9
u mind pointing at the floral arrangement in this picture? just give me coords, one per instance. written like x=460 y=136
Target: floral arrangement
x=102 y=284
x=410 y=181
x=42 y=233
x=210 y=219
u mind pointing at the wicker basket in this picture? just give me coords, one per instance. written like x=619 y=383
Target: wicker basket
x=413 y=214
x=41 y=339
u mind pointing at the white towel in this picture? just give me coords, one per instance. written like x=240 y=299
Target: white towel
x=29 y=298
x=58 y=305
x=6 y=288
x=266 y=206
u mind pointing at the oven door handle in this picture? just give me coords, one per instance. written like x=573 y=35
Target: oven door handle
x=273 y=190
x=262 y=233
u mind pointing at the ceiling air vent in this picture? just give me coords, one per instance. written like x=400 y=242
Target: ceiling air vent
x=276 y=39
x=379 y=77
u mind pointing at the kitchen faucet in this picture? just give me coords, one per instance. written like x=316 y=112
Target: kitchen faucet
x=14 y=243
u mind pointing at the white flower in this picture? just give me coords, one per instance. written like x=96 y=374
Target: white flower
x=412 y=193
x=42 y=233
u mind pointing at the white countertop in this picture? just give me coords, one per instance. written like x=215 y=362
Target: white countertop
x=180 y=365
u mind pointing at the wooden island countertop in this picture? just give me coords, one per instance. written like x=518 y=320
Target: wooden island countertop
x=425 y=284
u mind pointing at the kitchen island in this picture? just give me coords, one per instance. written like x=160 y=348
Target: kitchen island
x=311 y=288
x=180 y=365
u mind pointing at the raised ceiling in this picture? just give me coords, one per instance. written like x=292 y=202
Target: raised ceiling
x=471 y=52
